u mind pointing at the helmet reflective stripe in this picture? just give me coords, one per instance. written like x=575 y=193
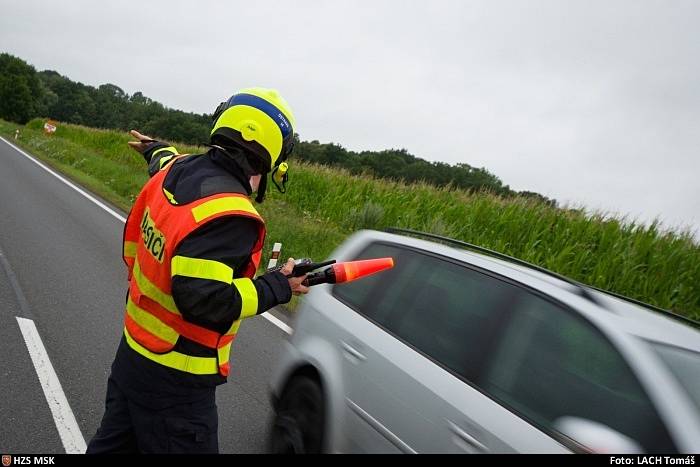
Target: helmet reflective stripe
x=270 y=110
x=273 y=97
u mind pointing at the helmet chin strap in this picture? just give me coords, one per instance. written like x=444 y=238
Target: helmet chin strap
x=262 y=189
x=262 y=186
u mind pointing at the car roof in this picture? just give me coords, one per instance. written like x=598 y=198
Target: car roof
x=650 y=325
x=626 y=316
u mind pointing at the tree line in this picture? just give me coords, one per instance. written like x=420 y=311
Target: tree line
x=26 y=94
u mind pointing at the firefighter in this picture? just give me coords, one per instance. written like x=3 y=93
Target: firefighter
x=192 y=244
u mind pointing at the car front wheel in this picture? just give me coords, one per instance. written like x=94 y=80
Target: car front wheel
x=299 y=423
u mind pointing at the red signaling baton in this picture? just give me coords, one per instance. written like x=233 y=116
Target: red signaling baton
x=348 y=271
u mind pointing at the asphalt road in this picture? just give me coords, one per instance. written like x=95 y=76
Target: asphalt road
x=60 y=266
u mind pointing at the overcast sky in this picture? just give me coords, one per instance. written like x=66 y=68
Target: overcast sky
x=595 y=103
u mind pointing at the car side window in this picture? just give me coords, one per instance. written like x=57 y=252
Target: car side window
x=444 y=310
x=356 y=293
x=550 y=364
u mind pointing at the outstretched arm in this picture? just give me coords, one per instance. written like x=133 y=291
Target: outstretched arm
x=156 y=153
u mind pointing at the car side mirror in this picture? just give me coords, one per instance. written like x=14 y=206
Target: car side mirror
x=599 y=438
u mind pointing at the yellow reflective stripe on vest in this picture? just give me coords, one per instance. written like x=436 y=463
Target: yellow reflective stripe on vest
x=219 y=205
x=177 y=360
x=150 y=290
x=201 y=269
x=150 y=323
x=130 y=249
x=224 y=353
x=249 y=297
x=234 y=327
x=170 y=196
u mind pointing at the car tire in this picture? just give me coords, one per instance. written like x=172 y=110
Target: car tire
x=298 y=425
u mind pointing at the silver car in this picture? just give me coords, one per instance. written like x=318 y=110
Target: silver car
x=460 y=351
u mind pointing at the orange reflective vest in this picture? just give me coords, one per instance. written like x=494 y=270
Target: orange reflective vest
x=154 y=229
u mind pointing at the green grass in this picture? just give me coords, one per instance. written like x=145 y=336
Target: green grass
x=325 y=205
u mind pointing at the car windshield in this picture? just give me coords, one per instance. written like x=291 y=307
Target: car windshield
x=685 y=366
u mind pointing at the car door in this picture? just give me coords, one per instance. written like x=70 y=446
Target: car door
x=407 y=366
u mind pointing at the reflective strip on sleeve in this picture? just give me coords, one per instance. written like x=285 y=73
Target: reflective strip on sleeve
x=130 y=249
x=164 y=160
x=201 y=269
x=149 y=289
x=169 y=149
x=249 y=297
x=177 y=360
x=219 y=205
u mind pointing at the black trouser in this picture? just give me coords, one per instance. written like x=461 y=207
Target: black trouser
x=128 y=427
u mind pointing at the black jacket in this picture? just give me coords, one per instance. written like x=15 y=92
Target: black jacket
x=212 y=304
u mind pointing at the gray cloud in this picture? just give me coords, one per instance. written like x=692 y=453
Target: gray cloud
x=591 y=102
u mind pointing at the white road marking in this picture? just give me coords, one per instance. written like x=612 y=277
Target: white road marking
x=68 y=182
x=277 y=322
x=67 y=426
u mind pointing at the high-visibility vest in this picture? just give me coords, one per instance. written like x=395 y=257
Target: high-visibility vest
x=155 y=227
